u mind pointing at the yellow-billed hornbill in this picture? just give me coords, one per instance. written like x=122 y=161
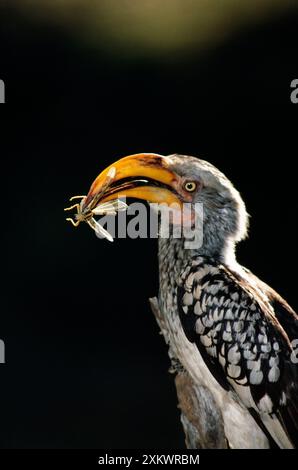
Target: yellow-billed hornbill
x=233 y=333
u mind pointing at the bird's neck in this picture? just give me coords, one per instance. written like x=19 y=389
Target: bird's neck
x=174 y=254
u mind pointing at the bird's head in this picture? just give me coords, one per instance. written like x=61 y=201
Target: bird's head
x=178 y=179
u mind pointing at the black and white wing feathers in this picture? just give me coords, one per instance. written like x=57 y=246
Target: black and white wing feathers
x=243 y=331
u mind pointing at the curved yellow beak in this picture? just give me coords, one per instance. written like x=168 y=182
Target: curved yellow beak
x=144 y=176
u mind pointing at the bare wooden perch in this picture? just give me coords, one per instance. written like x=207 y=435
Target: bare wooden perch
x=201 y=419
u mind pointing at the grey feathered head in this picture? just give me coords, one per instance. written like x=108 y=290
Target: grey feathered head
x=224 y=209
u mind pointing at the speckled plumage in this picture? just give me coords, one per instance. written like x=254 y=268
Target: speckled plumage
x=240 y=328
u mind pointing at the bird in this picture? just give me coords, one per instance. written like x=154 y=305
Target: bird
x=231 y=331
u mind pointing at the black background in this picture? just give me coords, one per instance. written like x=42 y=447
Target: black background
x=85 y=366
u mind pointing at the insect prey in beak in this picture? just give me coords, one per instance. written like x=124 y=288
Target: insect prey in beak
x=86 y=214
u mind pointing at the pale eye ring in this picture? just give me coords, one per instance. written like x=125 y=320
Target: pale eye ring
x=190 y=186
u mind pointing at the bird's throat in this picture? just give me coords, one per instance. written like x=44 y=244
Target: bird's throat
x=173 y=256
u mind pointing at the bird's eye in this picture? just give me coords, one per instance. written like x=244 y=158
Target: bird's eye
x=190 y=186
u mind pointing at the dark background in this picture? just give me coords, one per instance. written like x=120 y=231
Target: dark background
x=85 y=366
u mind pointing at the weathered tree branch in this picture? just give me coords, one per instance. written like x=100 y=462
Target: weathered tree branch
x=200 y=417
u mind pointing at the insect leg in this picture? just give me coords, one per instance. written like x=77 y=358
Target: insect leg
x=75 y=224
x=72 y=207
x=76 y=197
